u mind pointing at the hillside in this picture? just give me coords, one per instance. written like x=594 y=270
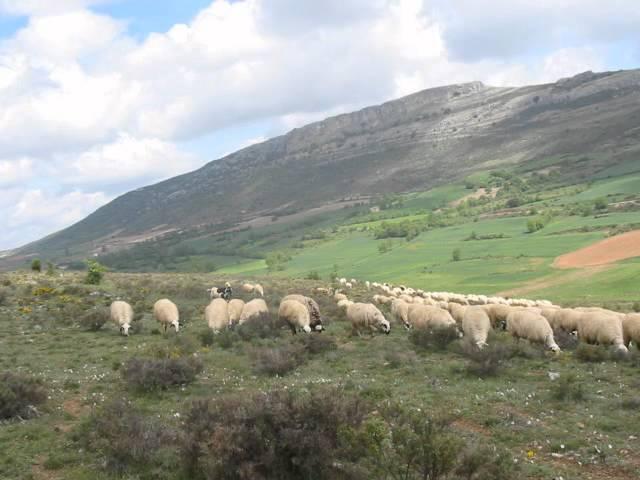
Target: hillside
x=575 y=127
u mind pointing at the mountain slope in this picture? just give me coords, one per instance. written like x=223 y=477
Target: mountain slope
x=414 y=143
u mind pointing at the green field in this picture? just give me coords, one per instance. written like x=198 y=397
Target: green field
x=518 y=410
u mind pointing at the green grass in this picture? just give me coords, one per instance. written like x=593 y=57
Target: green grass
x=514 y=410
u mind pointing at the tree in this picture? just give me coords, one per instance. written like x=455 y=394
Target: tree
x=36 y=265
x=456 y=255
x=95 y=272
x=600 y=203
x=50 y=268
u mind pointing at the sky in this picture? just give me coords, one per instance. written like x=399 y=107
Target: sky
x=99 y=97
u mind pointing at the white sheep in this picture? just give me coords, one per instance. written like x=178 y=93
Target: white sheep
x=312 y=306
x=257 y=288
x=247 y=287
x=122 y=316
x=476 y=325
x=166 y=313
x=381 y=299
x=339 y=296
x=344 y=303
x=400 y=311
x=235 y=310
x=296 y=315
x=217 y=315
x=497 y=313
x=365 y=316
x=367 y=284
x=457 y=311
x=631 y=329
x=426 y=316
x=253 y=309
x=601 y=328
x=348 y=285
x=323 y=291
x=531 y=326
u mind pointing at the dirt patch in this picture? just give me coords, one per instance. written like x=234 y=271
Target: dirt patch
x=74 y=407
x=481 y=192
x=607 y=251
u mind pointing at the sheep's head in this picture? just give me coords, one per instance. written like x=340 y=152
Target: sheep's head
x=383 y=323
x=124 y=329
x=307 y=329
x=176 y=324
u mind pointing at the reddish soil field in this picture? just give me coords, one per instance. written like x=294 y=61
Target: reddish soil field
x=606 y=251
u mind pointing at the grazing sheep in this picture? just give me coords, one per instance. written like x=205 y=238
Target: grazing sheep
x=497 y=313
x=601 y=328
x=166 y=313
x=342 y=281
x=381 y=299
x=220 y=292
x=476 y=325
x=348 y=285
x=253 y=309
x=339 y=296
x=122 y=316
x=365 y=316
x=531 y=326
x=344 y=303
x=400 y=312
x=257 y=288
x=566 y=319
x=217 y=314
x=367 y=284
x=296 y=315
x=631 y=329
x=426 y=316
x=312 y=306
x=457 y=311
x=322 y=290
x=406 y=298
x=235 y=310
x=247 y=287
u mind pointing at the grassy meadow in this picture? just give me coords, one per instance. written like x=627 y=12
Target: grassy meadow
x=581 y=425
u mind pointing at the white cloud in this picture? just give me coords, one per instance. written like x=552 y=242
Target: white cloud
x=92 y=107
x=15 y=171
x=145 y=160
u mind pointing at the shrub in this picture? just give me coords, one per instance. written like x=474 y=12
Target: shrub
x=456 y=255
x=565 y=340
x=226 y=339
x=4 y=297
x=50 y=269
x=278 y=434
x=406 y=444
x=482 y=462
x=261 y=326
x=277 y=360
x=631 y=403
x=95 y=272
x=20 y=395
x=95 y=319
x=315 y=343
x=150 y=374
x=397 y=359
x=591 y=353
x=487 y=362
x=36 y=265
x=207 y=337
x=636 y=307
x=313 y=275
x=433 y=338
x=600 y=203
x=129 y=441
x=567 y=388
x=534 y=224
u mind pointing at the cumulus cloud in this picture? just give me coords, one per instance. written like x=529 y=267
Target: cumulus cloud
x=13 y=172
x=145 y=160
x=34 y=213
x=94 y=108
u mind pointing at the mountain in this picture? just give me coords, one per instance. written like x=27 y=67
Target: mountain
x=577 y=126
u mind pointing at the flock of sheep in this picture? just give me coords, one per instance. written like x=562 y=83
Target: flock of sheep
x=472 y=316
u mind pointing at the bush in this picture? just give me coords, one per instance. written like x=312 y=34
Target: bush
x=456 y=255
x=278 y=360
x=565 y=340
x=129 y=441
x=315 y=343
x=20 y=395
x=36 y=265
x=4 y=297
x=95 y=272
x=397 y=359
x=278 y=434
x=207 y=337
x=636 y=307
x=591 y=353
x=262 y=326
x=567 y=388
x=487 y=362
x=150 y=374
x=482 y=462
x=534 y=224
x=313 y=275
x=433 y=338
x=95 y=319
